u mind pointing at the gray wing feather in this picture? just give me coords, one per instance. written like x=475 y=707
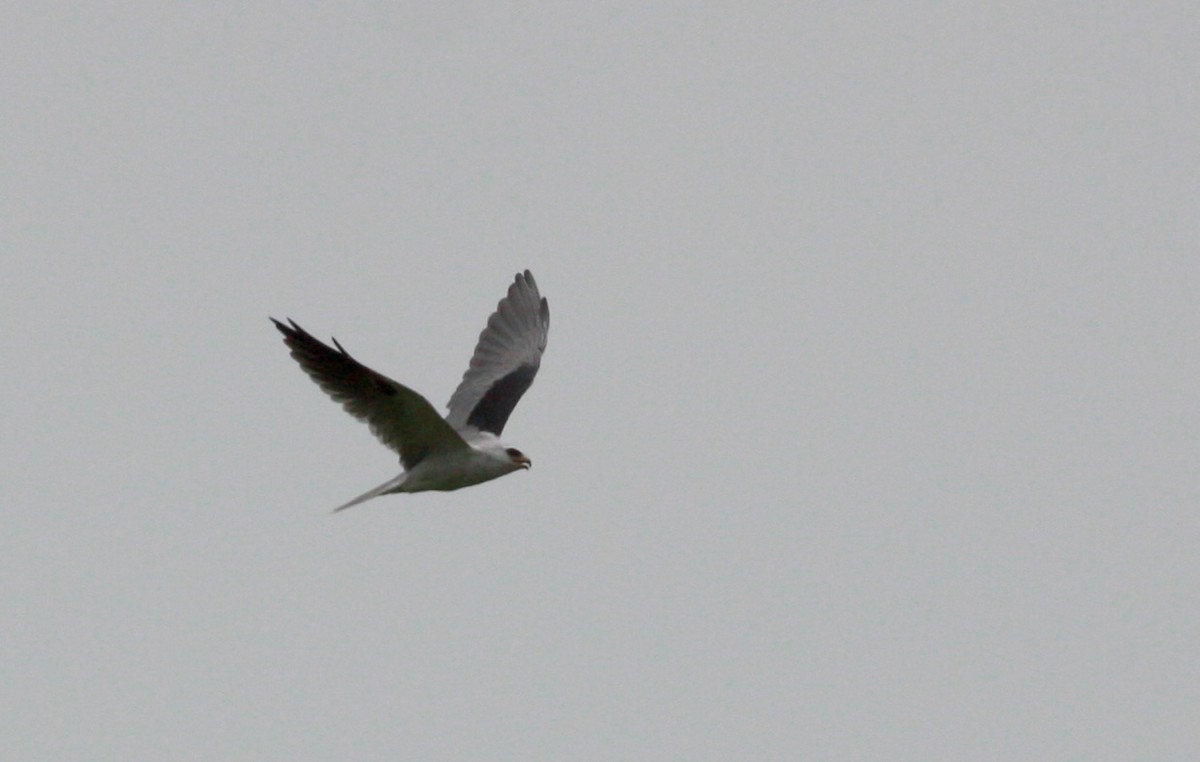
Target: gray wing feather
x=401 y=419
x=506 y=359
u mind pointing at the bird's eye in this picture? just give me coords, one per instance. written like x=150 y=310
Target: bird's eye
x=513 y=452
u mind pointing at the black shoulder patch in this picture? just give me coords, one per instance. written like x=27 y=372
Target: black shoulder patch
x=386 y=388
x=497 y=404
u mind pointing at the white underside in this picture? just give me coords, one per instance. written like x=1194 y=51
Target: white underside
x=450 y=472
x=445 y=473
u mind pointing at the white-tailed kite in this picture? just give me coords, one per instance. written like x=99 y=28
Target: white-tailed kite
x=464 y=448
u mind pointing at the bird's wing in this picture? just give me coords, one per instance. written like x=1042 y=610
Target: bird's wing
x=402 y=419
x=505 y=361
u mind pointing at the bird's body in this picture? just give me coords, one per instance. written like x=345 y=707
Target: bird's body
x=438 y=453
x=484 y=460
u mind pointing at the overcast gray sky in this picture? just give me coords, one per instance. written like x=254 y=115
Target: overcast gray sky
x=866 y=429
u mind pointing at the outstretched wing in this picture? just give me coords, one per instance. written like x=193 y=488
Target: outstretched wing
x=402 y=419
x=506 y=360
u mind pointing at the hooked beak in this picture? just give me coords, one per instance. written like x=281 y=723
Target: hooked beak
x=524 y=462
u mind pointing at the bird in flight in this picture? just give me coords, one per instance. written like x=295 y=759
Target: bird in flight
x=464 y=448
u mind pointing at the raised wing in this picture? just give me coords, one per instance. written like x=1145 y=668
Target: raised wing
x=505 y=361
x=402 y=419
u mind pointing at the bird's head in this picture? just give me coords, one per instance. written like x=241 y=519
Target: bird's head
x=517 y=458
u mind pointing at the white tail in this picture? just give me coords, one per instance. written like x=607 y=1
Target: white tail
x=388 y=486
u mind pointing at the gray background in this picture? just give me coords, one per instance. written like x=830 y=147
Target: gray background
x=867 y=427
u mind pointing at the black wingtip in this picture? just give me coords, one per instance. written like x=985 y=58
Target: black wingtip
x=292 y=331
